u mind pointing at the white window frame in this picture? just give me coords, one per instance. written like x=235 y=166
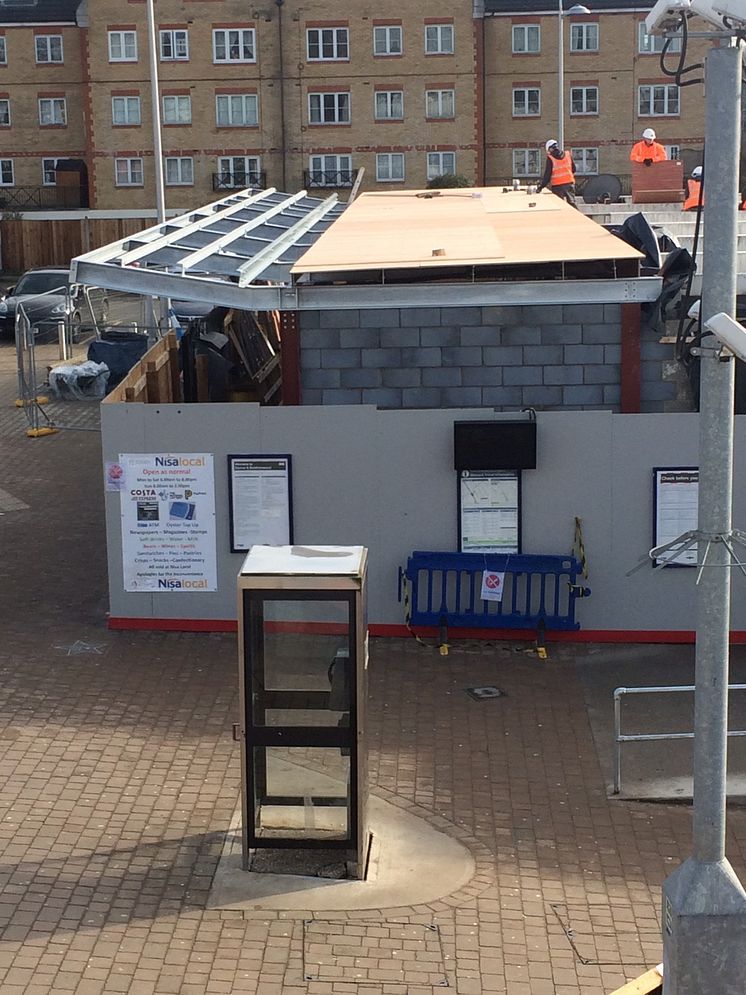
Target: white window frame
x=246 y=39
x=132 y=112
x=385 y=105
x=440 y=39
x=248 y=110
x=522 y=31
x=647 y=91
x=134 y=175
x=527 y=162
x=127 y=46
x=581 y=156
x=326 y=164
x=251 y=167
x=49 y=52
x=6 y=101
x=3 y=51
x=673 y=151
x=653 y=44
x=441 y=100
x=45 y=170
x=585 y=30
x=181 y=167
x=55 y=109
x=526 y=101
x=388 y=40
x=584 y=92
x=336 y=42
x=329 y=108
x=177 y=39
x=385 y=167
x=436 y=164
x=7 y=168
x=171 y=102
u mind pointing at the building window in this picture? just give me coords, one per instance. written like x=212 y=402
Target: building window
x=440 y=164
x=179 y=171
x=586 y=161
x=4 y=113
x=526 y=38
x=526 y=162
x=329 y=108
x=239 y=171
x=653 y=44
x=229 y=45
x=526 y=101
x=583 y=37
x=122 y=46
x=327 y=44
x=49 y=172
x=439 y=39
x=440 y=103
x=584 y=100
x=6 y=173
x=390 y=167
x=237 y=110
x=330 y=170
x=3 y=51
x=389 y=105
x=174 y=45
x=177 y=109
x=673 y=151
x=387 y=40
x=128 y=172
x=658 y=100
x=48 y=49
x=125 y=111
x=52 y=111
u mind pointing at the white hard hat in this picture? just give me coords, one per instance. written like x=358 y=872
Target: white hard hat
x=696 y=172
x=649 y=133
x=550 y=144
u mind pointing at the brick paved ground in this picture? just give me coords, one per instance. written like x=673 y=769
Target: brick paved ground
x=119 y=777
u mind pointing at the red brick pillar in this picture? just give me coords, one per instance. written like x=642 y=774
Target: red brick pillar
x=630 y=363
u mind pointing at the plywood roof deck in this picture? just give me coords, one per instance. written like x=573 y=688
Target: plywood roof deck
x=473 y=227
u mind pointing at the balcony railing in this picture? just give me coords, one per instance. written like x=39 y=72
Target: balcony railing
x=320 y=178
x=238 y=181
x=39 y=198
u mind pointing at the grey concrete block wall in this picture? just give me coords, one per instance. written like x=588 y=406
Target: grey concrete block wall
x=563 y=357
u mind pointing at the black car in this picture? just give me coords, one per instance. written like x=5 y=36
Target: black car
x=48 y=298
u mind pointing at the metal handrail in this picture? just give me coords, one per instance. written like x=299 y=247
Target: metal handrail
x=620 y=738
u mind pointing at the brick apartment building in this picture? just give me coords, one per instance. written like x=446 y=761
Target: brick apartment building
x=289 y=96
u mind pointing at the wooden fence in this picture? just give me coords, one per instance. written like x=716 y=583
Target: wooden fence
x=26 y=242
x=155 y=378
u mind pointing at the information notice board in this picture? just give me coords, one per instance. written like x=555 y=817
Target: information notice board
x=489 y=511
x=676 y=492
x=261 y=508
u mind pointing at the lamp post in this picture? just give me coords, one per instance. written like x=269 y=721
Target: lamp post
x=577 y=8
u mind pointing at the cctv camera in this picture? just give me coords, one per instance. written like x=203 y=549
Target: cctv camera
x=693 y=311
x=729 y=332
x=734 y=10
x=666 y=14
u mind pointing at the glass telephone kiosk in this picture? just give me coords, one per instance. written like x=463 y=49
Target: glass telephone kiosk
x=303 y=656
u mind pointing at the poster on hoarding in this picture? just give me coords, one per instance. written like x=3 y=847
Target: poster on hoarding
x=168 y=522
x=260 y=501
x=489 y=506
x=676 y=493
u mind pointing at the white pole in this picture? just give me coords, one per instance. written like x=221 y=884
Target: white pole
x=560 y=77
x=160 y=195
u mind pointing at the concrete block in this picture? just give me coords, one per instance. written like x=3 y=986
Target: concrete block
x=482 y=376
x=493 y=314
x=502 y=355
x=341 y=397
x=420 y=357
x=320 y=378
x=500 y=396
x=396 y=337
x=585 y=394
x=421 y=397
x=656 y=350
x=542 y=397
x=310 y=359
x=515 y=375
x=419 y=316
x=563 y=374
x=601 y=334
x=337 y=359
x=359 y=338
x=340 y=319
x=651 y=372
x=440 y=335
x=360 y=378
x=441 y=376
x=543 y=355
x=612 y=394
x=308 y=319
x=603 y=373
x=308 y=396
x=582 y=313
x=459 y=316
x=379 y=318
x=540 y=314
x=402 y=378
x=381 y=357
x=612 y=354
x=520 y=335
x=383 y=397
x=462 y=356
x=613 y=313
x=480 y=335
x=582 y=354
x=658 y=391
x=320 y=338
x=461 y=397
x=561 y=334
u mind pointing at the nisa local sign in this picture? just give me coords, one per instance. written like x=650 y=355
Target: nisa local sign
x=179 y=460
x=177 y=584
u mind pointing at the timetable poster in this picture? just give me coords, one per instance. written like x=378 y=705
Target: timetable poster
x=260 y=501
x=488 y=511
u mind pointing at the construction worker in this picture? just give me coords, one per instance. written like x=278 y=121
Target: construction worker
x=648 y=150
x=559 y=172
x=694 y=195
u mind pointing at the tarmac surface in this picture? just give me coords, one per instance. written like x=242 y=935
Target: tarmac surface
x=119 y=780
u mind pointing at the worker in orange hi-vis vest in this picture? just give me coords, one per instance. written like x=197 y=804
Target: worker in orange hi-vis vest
x=648 y=150
x=559 y=172
x=694 y=195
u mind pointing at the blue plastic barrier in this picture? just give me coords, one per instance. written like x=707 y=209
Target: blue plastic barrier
x=538 y=591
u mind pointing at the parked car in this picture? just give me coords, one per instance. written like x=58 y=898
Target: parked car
x=48 y=298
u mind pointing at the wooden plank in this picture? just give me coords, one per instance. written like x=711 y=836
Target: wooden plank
x=203 y=391
x=173 y=369
x=650 y=983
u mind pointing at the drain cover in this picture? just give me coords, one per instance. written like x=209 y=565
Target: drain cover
x=484 y=692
